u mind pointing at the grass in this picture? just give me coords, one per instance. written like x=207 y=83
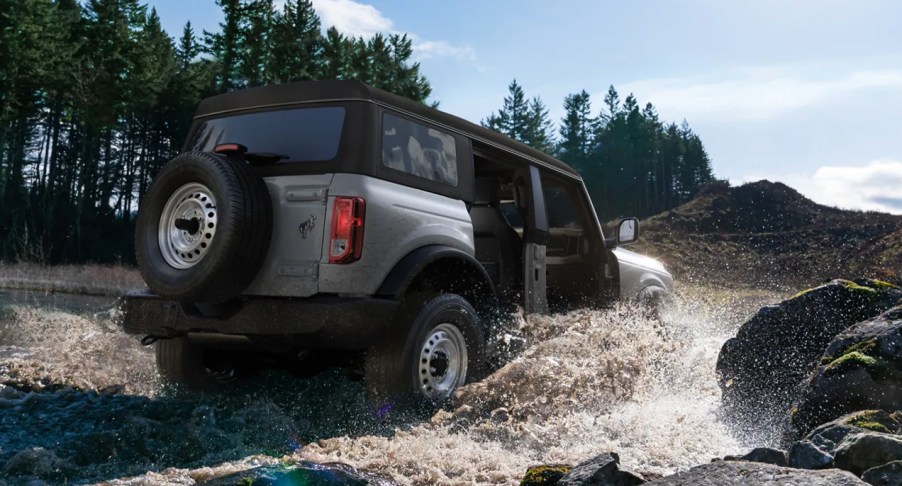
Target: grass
x=90 y=279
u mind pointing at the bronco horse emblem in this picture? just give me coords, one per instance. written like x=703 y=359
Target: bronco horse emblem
x=307 y=226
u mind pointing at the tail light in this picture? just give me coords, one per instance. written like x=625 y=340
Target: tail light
x=346 y=235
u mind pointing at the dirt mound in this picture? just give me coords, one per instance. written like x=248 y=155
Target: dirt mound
x=767 y=234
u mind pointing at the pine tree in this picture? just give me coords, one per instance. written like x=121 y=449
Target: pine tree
x=225 y=46
x=539 y=129
x=513 y=118
x=255 y=47
x=296 y=47
x=576 y=140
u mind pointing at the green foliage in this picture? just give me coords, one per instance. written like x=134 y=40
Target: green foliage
x=523 y=120
x=95 y=97
x=632 y=163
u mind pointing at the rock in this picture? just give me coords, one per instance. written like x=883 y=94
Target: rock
x=601 y=470
x=544 y=475
x=860 y=369
x=859 y=452
x=766 y=455
x=37 y=462
x=818 y=448
x=331 y=474
x=889 y=474
x=828 y=436
x=806 y=455
x=761 y=368
x=754 y=474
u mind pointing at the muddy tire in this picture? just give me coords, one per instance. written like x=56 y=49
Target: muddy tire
x=182 y=363
x=203 y=228
x=435 y=346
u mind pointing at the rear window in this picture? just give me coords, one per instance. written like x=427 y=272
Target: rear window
x=301 y=134
x=419 y=150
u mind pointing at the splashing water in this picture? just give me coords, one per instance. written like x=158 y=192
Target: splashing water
x=589 y=381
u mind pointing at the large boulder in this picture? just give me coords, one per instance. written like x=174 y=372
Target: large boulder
x=860 y=369
x=756 y=473
x=761 y=369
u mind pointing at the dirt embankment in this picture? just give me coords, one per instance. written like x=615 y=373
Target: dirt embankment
x=766 y=234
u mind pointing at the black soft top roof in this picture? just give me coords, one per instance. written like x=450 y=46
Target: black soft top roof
x=319 y=91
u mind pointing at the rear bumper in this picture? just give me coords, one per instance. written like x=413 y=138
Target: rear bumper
x=319 y=321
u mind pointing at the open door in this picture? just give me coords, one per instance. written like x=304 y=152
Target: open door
x=535 y=239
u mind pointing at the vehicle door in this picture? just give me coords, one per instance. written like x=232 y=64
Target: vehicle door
x=535 y=238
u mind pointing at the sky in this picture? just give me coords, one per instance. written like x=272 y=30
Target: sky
x=808 y=93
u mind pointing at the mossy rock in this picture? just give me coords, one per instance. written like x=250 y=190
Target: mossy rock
x=760 y=369
x=544 y=475
x=861 y=369
x=865 y=286
x=876 y=420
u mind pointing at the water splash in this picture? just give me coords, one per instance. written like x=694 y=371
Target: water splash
x=587 y=382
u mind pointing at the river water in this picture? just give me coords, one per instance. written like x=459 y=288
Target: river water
x=81 y=402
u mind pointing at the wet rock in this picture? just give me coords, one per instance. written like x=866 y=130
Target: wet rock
x=756 y=473
x=859 y=452
x=331 y=474
x=806 y=455
x=601 y=470
x=761 y=368
x=766 y=455
x=860 y=369
x=829 y=435
x=37 y=462
x=544 y=475
x=889 y=474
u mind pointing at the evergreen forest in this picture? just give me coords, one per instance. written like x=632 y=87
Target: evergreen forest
x=95 y=97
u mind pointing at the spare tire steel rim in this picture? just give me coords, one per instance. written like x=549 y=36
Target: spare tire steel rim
x=188 y=225
x=442 y=362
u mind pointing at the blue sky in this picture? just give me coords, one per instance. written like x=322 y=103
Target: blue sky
x=806 y=92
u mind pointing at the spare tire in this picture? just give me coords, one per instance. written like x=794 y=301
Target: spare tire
x=203 y=228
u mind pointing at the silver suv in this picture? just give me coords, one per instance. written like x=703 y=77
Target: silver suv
x=310 y=219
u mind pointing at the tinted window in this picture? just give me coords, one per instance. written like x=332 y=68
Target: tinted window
x=419 y=150
x=303 y=135
x=562 y=210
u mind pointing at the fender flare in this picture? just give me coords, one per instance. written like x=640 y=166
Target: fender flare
x=408 y=268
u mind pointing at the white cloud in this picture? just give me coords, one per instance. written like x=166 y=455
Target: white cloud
x=876 y=186
x=352 y=18
x=363 y=20
x=431 y=49
x=755 y=93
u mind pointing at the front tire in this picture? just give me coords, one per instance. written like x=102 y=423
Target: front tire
x=435 y=346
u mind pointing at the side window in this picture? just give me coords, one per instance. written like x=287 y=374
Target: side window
x=419 y=150
x=563 y=212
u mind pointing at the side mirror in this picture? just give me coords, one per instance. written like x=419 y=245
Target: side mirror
x=627 y=231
